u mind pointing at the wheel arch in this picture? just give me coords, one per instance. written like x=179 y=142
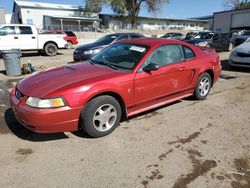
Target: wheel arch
x=211 y=73
x=53 y=42
x=117 y=97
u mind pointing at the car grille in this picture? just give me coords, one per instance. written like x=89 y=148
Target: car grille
x=243 y=54
x=241 y=63
x=239 y=41
x=18 y=94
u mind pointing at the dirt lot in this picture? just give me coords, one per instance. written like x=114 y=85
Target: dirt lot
x=185 y=144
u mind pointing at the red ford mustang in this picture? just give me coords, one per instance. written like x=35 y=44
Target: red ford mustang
x=127 y=78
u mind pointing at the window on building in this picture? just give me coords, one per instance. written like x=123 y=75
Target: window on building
x=24 y=30
x=7 y=30
x=29 y=21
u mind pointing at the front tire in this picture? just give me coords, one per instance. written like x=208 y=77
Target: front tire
x=50 y=49
x=203 y=86
x=100 y=116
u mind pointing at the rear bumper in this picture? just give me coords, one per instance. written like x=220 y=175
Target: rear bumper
x=63 y=119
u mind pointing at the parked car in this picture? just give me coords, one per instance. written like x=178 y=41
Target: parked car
x=127 y=78
x=191 y=34
x=218 y=41
x=237 y=40
x=176 y=36
x=26 y=37
x=70 y=37
x=85 y=52
x=240 y=56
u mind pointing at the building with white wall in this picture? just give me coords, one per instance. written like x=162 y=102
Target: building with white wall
x=2 y=16
x=227 y=21
x=52 y=16
x=112 y=21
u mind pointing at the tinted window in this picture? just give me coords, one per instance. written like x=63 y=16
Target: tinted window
x=165 y=55
x=135 y=36
x=122 y=56
x=70 y=33
x=25 y=30
x=106 y=39
x=203 y=35
x=168 y=35
x=188 y=53
x=7 y=30
x=178 y=34
x=122 y=37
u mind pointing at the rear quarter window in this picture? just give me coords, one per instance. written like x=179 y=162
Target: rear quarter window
x=188 y=53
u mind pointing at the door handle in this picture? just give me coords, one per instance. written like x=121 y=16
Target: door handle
x=182 y=68
x=15 y=37
x=33 y=37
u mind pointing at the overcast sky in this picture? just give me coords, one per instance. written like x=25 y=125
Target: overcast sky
x=176 y=8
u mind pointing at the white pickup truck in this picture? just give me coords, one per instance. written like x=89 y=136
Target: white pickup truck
x=27 y=38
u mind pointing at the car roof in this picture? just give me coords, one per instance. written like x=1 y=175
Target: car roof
x=125 y=34
x=152 y=41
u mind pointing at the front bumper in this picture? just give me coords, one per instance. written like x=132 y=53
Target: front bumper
x=239 y=61
x=63 y=119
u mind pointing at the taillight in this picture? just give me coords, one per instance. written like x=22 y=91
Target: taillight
x=65 y=38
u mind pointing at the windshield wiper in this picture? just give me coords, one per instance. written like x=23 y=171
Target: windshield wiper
x=102 y=63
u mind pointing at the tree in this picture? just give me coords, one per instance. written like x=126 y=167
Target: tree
x=237 y=4
x=130 y=8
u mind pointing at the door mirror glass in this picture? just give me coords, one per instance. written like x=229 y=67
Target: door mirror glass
x=151 y=67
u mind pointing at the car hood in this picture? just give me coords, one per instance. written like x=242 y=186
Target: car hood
x=244 y=47
x=90 y=46
x=48 y=83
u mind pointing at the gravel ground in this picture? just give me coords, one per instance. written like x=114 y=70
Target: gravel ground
x=185 y=144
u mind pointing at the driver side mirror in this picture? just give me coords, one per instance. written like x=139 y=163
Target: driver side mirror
x=151 y=67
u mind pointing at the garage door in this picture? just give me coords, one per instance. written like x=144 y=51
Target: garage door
x=241 y=20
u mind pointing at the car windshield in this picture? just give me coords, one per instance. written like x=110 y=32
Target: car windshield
x=246 y=33
x=203 y=35
x=121 y=56
x=168 y=35
x=106 y=39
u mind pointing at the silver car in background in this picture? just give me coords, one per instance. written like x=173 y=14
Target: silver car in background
x=240 y=56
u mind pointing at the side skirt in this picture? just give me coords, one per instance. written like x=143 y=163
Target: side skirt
x=158 y=102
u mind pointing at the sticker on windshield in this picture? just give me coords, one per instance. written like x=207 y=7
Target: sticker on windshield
x=137 y=48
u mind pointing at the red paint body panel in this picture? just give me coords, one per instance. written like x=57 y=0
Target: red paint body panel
x=140 y=91
x=72 y=39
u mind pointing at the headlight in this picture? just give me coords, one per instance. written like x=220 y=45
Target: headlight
x=89 y=52
x=45 y=103
x=234 y=53
x=205 y=43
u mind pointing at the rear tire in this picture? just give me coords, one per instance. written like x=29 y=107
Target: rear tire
x=203 y=86
x=100 y=116
x=50 y=49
